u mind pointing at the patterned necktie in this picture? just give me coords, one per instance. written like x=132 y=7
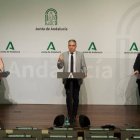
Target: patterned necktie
x=71 y=65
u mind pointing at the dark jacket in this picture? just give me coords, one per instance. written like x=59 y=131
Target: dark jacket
x=137 y=65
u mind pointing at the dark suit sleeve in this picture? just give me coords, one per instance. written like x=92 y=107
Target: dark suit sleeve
x=137 y=63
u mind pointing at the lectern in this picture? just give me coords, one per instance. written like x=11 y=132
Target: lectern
x=71 y=76
x=77 y=75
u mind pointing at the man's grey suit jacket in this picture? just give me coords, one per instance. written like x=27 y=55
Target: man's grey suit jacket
x=80 y=64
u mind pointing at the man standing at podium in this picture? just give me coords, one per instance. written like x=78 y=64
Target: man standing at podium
x=72 y=61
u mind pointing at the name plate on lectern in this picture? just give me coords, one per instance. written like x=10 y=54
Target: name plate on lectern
x=78 y=75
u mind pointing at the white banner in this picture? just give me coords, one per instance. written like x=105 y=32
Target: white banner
x=33 y=34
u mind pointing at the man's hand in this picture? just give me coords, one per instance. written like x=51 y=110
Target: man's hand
x=136 y=72
x=60 y=58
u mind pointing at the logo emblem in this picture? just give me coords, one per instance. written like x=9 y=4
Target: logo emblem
x=10 y=49
x=92 y=47
x=51 y=46
x=10 y=46
x=51 y=17
x=51 y=49
x=70 y=75
x=134 y=47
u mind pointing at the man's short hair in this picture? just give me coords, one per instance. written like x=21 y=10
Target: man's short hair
x=72 y=40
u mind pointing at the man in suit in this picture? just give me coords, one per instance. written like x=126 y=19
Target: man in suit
x=136 y=68
x=72 y=61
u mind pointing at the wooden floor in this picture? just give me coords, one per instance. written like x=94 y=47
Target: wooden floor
x=42 y=116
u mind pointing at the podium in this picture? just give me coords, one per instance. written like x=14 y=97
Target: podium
x=4 y=74
x=71 y=75
x=71 y=79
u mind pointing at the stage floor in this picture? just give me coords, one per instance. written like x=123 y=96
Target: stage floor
x=42 y=116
